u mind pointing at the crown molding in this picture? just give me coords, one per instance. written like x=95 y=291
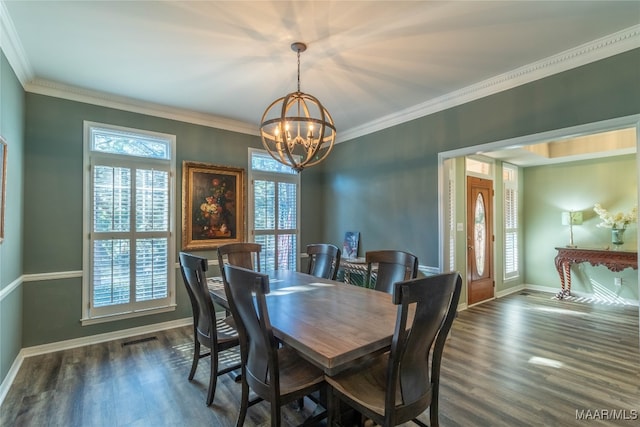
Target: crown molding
x=12 y=48
x=59 y=90
x=602 y=48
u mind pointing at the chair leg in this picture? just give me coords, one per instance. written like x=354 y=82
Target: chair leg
x=433 y=412
x=244 y=401
x=213 y=377
x=275 y=414
x=333 y=409
x=196 y=357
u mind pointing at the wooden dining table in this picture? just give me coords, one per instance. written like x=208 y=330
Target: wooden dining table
x=332 y=324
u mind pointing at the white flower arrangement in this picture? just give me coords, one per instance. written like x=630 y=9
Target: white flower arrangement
x=619 y=220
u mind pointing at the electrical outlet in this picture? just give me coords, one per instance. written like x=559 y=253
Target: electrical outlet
x=617 y=281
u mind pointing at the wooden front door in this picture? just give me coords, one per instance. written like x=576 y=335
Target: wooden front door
x=480 y=281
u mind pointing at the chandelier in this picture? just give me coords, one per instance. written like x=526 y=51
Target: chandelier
x=296 y=129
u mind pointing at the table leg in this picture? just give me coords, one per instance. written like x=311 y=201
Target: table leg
x=560 y=269
x=567 y=272
x=564 y=270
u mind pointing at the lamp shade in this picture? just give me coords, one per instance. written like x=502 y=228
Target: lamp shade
x=572 y=218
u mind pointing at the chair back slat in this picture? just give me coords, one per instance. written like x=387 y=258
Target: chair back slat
x=193 y=270
x=243 y=254
x=390 y=266
x=324 y=260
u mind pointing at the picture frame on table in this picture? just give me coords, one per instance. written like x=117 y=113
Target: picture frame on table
x=3 y=183
x=213 y=211
x=350 y=245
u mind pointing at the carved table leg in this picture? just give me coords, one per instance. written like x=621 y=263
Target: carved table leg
x=561 y=268
x=567 y=273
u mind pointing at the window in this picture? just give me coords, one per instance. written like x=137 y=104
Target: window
x=129 y=206
x=274 y=211
x=477 y=167
x=510 y=178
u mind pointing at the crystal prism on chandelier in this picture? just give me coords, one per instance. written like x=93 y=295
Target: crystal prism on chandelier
x=296 y=129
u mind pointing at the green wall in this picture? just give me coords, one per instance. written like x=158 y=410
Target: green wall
x=12 y=121
x=53 y=210
x=550 y=190
x=385 y=184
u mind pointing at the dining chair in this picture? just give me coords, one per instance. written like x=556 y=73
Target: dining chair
x=386 y=267
x=206 y=330
x=397 y=386
x=243 y=254
x=276 y=374
x=324 y=260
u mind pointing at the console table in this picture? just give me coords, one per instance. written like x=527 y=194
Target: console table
x=353 y=271
x=614 y=260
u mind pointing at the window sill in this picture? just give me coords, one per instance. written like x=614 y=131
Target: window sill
x=121 y=316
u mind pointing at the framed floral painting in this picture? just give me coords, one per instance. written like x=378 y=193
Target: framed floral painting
x=212 y=205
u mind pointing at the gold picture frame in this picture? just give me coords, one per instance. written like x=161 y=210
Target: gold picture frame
x=3 y=183
x=213 y=211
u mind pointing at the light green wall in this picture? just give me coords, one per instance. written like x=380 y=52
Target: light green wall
x=12 y=129
x=385 y=184
x=550 y=190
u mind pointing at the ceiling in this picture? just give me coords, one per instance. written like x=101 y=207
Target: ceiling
x=593 y=146
x=372 y=64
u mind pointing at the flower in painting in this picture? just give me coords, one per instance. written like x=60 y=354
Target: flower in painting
x=216 y=208
x=210 y=207
x=619 y=220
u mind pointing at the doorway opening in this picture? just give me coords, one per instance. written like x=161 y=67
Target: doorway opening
x=453 y=232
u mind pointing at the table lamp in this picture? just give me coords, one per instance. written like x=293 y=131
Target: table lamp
x=571 y=218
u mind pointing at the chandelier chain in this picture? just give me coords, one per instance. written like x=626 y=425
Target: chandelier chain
x=298 y=70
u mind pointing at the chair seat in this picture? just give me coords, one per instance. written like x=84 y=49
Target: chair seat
x=227 y=335
x=227 y=328
x=295 y=372
x=367 y=386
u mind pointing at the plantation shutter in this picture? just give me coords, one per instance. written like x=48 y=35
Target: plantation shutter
x=511 y=264
x=275 y=211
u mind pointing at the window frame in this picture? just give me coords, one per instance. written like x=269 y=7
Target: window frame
x=450 y=173
x=511 y=185
x=277 y=177
x=93 y=315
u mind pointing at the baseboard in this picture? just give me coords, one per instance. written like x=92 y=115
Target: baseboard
x=586 y=296
x=80 y=342
x=509 y=291
x=11 y=375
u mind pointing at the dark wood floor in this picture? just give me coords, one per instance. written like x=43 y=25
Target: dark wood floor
x=522 y=360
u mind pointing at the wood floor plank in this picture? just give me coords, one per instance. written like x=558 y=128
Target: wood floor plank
x=522 y=360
